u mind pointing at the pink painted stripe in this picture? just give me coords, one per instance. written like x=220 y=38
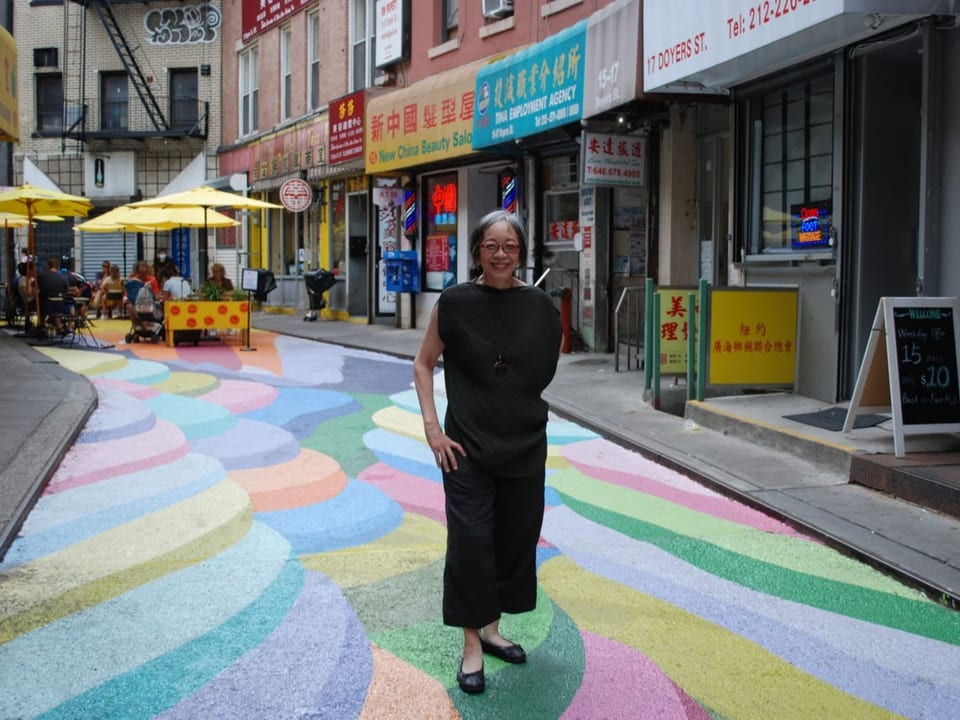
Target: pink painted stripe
x=714 y=505
x=136 y=390
x=621 y=683
x=87 y=463
x=239 y=396
x=412 y=493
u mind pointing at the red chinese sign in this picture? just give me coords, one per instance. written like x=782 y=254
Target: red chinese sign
x=346 y=128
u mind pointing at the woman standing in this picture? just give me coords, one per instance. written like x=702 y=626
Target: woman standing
x=500 y=341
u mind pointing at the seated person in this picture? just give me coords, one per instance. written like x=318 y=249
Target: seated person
x=175 y=287
x=52 y=287
x=218 y=276
x=27 y=287
x=111 y=294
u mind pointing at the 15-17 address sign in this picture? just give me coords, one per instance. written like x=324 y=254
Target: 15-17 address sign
x=296 y=195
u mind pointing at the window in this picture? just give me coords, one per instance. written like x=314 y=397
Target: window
x=249 y=90
x=183 y=99
x=45 y=57
x=113 y=101
x=440 y=237
x=313 y=60
x=450 y=10
x=789 y=166
x=362 y=43
x=286 y=79
x=49 y=103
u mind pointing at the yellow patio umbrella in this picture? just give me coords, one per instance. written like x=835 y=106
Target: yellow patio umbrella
x=206 y=198
x=14 y=220
x=34 y=201
x=142 y=219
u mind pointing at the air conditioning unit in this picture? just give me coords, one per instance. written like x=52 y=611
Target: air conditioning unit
x=497 y=8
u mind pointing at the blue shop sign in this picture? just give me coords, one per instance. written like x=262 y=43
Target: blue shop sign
x=536 y=89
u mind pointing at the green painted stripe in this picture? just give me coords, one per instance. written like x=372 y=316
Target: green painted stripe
x=921 y=616
x=788 y=551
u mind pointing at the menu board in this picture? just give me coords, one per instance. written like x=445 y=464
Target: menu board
x=913 y=342
x=926 y=347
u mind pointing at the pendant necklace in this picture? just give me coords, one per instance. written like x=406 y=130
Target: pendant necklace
x=500 y=366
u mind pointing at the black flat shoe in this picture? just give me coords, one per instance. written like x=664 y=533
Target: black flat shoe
x=511 y=653
x=472 y=683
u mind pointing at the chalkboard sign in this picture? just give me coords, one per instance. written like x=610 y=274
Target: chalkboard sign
x=915 y=341
x=926 y=347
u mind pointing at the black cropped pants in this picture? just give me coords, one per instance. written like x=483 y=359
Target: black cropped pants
x=493 y=526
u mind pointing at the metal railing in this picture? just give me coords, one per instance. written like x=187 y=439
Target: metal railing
x=108 y=120
x=628 y=327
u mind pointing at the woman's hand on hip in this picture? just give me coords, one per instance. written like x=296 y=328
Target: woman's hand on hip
x=444 y=449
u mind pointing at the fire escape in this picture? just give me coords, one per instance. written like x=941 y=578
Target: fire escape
x=103 y=121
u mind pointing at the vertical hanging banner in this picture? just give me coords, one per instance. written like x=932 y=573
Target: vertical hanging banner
x=9 y=110
x=536 y=89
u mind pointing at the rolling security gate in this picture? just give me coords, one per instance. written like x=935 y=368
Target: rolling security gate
x=119 y=248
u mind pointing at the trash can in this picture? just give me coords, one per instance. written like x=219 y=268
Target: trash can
x=317 y=282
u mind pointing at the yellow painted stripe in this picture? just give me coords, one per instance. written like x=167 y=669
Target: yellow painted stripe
x=86 y=362
x=783 y=550
x=417 y=543
x=116 y=560
x=187 y=383
x=401 y=422
x=726 y=673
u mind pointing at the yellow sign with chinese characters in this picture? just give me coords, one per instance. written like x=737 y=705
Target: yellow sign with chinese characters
x=674 y=327
x=753 y=336
x=428 y=121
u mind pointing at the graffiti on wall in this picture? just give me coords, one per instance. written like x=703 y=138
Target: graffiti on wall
x=182 y=25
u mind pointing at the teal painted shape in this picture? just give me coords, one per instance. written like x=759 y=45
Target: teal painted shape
x=197 y=419
x=166 y=680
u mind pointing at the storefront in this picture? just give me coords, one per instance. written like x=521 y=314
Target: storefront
x=833 y=136
x=573 y=106
x=283 y=241
x=429 y=187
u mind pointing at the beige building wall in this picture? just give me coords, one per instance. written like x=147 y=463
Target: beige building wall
x=679 y=258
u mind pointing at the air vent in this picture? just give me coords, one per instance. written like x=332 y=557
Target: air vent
x=497 y=8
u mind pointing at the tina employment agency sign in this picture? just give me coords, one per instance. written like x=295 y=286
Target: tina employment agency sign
x=428 y=121
x=536 y=89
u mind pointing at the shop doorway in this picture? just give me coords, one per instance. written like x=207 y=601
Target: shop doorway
x=358 y=271
x=885 y=131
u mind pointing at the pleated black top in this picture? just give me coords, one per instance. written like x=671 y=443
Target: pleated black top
x=500 y=352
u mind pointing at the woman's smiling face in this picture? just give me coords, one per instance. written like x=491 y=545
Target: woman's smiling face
x=498 y=254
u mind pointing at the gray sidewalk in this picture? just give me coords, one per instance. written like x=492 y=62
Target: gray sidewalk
x=796 y=472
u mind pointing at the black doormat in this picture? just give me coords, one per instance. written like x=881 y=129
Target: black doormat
x=833 y=418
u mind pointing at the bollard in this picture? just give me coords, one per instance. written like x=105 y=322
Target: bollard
x=566 y=305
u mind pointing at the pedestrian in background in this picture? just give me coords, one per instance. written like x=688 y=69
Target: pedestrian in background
x=500 y=341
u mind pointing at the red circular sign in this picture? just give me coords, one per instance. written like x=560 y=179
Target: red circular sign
x=296 y=195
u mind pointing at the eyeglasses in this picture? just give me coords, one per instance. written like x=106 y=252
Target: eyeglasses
x=490 y=247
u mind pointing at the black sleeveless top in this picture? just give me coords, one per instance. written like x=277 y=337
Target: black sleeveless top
x=495 y=410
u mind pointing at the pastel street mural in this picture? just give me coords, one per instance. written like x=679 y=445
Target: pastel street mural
x=261 y=535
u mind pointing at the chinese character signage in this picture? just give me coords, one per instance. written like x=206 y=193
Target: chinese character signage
x=753 y=336
x=614 y=159
x=259 y=15
x=346 y=128
x=675 y=325
x=428 y=121
x=536 y=89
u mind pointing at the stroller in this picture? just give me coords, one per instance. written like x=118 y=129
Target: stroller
x=146 y=313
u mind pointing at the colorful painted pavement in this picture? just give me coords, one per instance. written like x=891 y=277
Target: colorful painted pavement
x=261 y=534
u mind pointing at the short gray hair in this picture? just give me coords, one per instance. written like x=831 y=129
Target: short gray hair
x=492 y=218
